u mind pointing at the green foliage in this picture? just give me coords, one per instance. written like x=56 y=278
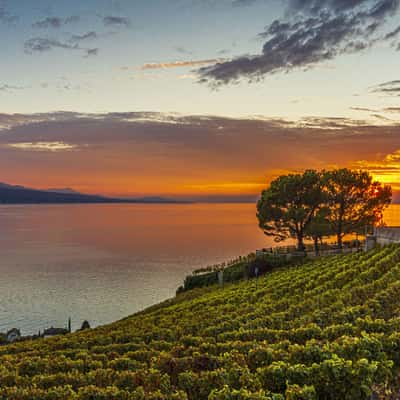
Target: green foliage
x=323 y=330
x=317 y=204
x=287 y=207
x=240 y=269
x=355 y=201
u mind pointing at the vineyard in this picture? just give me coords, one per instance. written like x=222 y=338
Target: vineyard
x=328 y=329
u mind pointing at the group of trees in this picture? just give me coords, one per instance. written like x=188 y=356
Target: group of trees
x=318 y=204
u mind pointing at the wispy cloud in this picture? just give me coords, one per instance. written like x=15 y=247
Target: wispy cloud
x=92 y=52
x=39 y=44
x=313 y=31
x=388 y=88
x=111 y=20
x=10 y=88
x=43 y=146
x=55 y=22
x=85 y=36
x=180 y=64
x=221 y=155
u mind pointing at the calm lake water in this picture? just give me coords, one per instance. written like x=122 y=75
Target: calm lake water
x=105 y=262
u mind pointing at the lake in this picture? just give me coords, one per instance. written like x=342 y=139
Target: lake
x=105 y=262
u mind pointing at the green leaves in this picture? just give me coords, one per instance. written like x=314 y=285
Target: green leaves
x=286 y=208
x=327 y=329
x=317 y=204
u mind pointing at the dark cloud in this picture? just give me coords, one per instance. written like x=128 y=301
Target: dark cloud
x=49 y=22
x=393 y=34
x=41 y=45
x=116 y=21
x=312 y=32
x=85 y=36
x=72 y=19
x=362 y=109
x=388 y=88
x=55 y=22
x=92 y=52
x=392 y=109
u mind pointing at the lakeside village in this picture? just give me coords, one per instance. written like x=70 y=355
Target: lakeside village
x=14 y=334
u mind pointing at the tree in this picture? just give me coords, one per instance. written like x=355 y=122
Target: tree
x=85 y=325
x=319 y=227
x=355 y=201
x=287 y=207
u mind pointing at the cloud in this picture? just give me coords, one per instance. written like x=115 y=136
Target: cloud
x=182 y=50
x=362 y=109
x=55 y=22
x=40 y=45
x=85 y=36
x=220 y=155
x=393 y=34
x=91 y=52
x=72 y=19
x=392 y=109
x=313 y=31
x=386 y=169
x=116 y=21
x=10 y=88
x=179 y=64
x=42 y=146
x=388 y=88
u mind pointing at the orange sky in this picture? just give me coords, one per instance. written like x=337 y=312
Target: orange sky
x=186 y=156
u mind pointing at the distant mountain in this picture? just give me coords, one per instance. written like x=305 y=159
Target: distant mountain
x=63 y=190
x=14 y=194
x=7 y=186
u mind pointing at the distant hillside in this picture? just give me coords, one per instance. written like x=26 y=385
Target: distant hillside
x=325 y=330
x=63 y=190
x=10 y=194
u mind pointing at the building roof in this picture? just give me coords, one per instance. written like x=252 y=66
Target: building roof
x=14 y=331
x=55 y=331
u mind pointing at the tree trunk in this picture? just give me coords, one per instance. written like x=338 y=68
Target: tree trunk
x=340 y=240
x=316 y=246
x=340 y=227
x=300 y=243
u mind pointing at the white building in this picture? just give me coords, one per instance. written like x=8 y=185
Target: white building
x=13 y=334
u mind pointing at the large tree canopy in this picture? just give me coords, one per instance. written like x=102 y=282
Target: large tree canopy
x=315 y=204
x=355 y=201
x=287 y=207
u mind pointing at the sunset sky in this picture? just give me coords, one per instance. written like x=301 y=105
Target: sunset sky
x=196 y=98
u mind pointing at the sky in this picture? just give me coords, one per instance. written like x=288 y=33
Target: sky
x=196 y=98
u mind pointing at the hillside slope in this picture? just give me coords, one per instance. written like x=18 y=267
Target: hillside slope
x=325 y=330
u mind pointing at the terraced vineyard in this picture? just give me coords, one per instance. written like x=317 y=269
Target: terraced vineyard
x=329 y=329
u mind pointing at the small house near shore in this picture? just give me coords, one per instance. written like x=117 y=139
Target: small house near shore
x=383 y=236
x=13 y=334
x=54 y=332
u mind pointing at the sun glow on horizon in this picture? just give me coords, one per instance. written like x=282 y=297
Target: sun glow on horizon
x=386 y=171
